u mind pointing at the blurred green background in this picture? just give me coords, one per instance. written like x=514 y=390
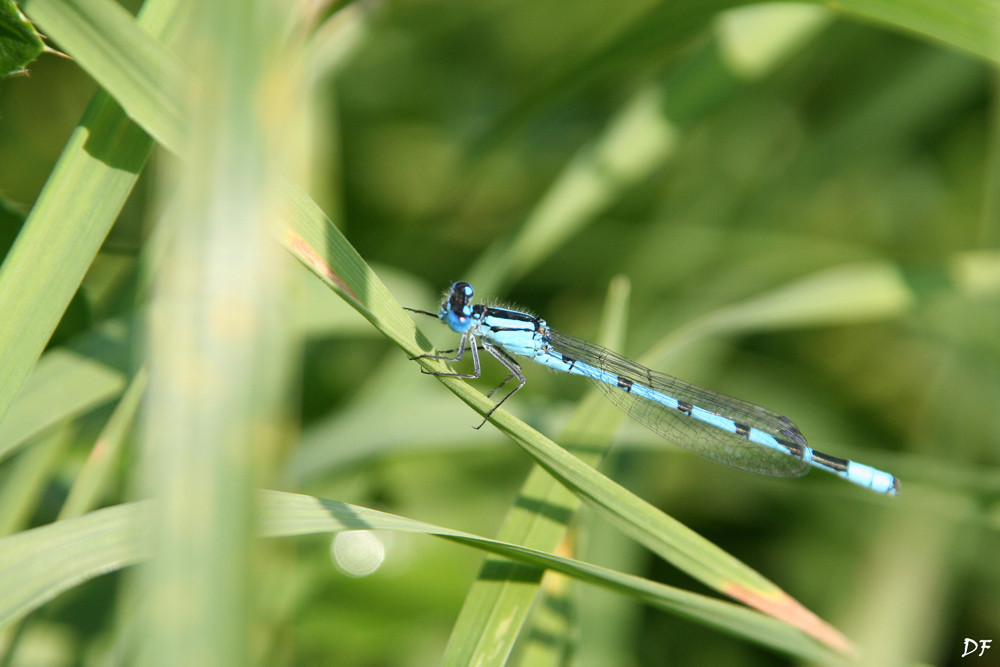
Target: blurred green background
x=805 y=206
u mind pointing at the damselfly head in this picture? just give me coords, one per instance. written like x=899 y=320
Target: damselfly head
x=456 y=310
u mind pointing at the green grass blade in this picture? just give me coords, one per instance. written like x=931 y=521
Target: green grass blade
x=498 y=604
x=43 y=562
x=25 y=480
x=68 y=381
x=92 y=480
x=63 y=233
x=218 y=345
x=840 y=295
x=969 y=25
x=81 y=199
x=91 y=32
x=124 y=56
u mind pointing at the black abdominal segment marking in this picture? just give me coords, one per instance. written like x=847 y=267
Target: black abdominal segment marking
x=827 y=460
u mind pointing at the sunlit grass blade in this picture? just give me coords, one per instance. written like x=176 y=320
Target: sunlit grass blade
x=297 y=514
x=43 y=562
x=217 y=343
x=63 y=233
x=83 y=195
x=123 y=54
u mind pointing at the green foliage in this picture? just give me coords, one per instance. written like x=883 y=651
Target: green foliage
x=20 y=43
x=794 y=205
